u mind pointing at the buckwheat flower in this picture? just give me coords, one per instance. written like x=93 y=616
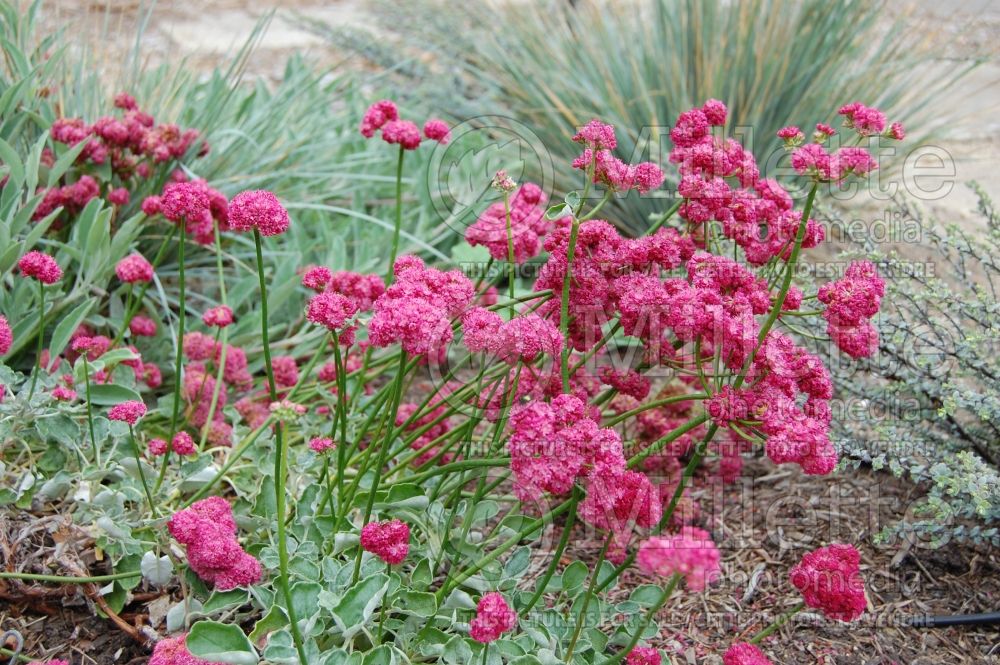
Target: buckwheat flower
x=218 y=317
x=330 y=310
x=493 y=618
x=830 y=580
x=437 y=130
x=317 y=278
x=141 y=326
x=597 y=135
x=363 y=289
x=127 y=412
x=286 y=409
x=157 y=447
x=286 y=371
x=865 y=120
x=744 y=653
x=198 y=346
x=690 y=553
x=629 y=382
x=403 y=132
x=134 y=269
x=40 y=266
x=258 y=209
x=643 y=656
x=377 y=115
x=185 y=201
x=647 y=176
x=151 y=205
x=479 y=328
x=791 y=135
x=63 y=394
x=321 y=444
x=852 y=160
x=389 y=540
x=825 y=131
x=183 y=444
x=173 y=651
x=208 y=530
x=896 y=131
x=6 y=336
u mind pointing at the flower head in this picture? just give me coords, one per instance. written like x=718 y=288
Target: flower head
x=437 y=130
x=830 y=580
x=389 y=540
x=183 y=444
x=40 y=266
x=331 y=310
x=690 y=553
x=6 y=336
x=321 y=444
x=403 y=132
x=493 y=618
x=744 y=653
x=258 y=209
x=128 y=412
x=218 y=317
x=377 y=115
x=643 y=656
x=173 y=651
x=134 y=269
x=317 y=278
x=208 y=529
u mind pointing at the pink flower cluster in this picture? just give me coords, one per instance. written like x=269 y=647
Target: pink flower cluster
x=744 y=653
x=72 y=198
x=389 y=540
x=690 y=553
x=432 y=424
x=193 y=203
x=598 y=159
x=127 y=412
x=527 y=225
x=173 y=651
x=330 y=310
x=208 y=529
x=830 y=580
x=361 y=289
x=384 y=115
x=182 y=444
x=493 y=618
x=134 y=269
x=258 y=210
x=6 y=336
x=522 y=339
x=851 y=302
x=41 y=267
x=320 y=445
x=218 y=317
x=418 y=308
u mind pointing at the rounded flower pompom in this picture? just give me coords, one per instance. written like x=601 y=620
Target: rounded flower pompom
x=173 y=651
x=208 y=529
x=830 y=580
x=6 y=336
x=41 y=267
x=403 y=132
x=643 y=656
x=321 y=444
x=330 y=310
x=134 y=269
x=183 y=444
x=127 y=412
x=142 y=326
x=437 y=130
x=218 y=317
x=377 y=115
x=388 y=540
x=258 y=209
x=690 y=553
x=317 y=278
x=493 y=618
x=744 y=653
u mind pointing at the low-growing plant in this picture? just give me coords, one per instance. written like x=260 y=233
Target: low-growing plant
x=360 y=470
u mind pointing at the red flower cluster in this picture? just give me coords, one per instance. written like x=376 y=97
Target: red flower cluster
x=493 y=618
x=388 y=540
x=830 y=580
x=527 y=225
x=384 y=115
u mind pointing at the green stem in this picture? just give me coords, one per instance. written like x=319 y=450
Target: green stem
x=399 y=215
x=589 y=594
x=137 y=302
x=777 y=623
x=381 y=609
x=179 y=353
x=511 y=268
x=90 y=411
x=41 y=338
x=280 y=462
x=556 y=556
x=664 y=217
x=142 y=474
x=390 y=429
x=564 y=306
x=667 y=591
x=785 y=286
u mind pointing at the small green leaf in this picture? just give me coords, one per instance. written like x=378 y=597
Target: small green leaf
x=221 y=642
x=109 y=394
x=357 y=606
x=67 y=326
